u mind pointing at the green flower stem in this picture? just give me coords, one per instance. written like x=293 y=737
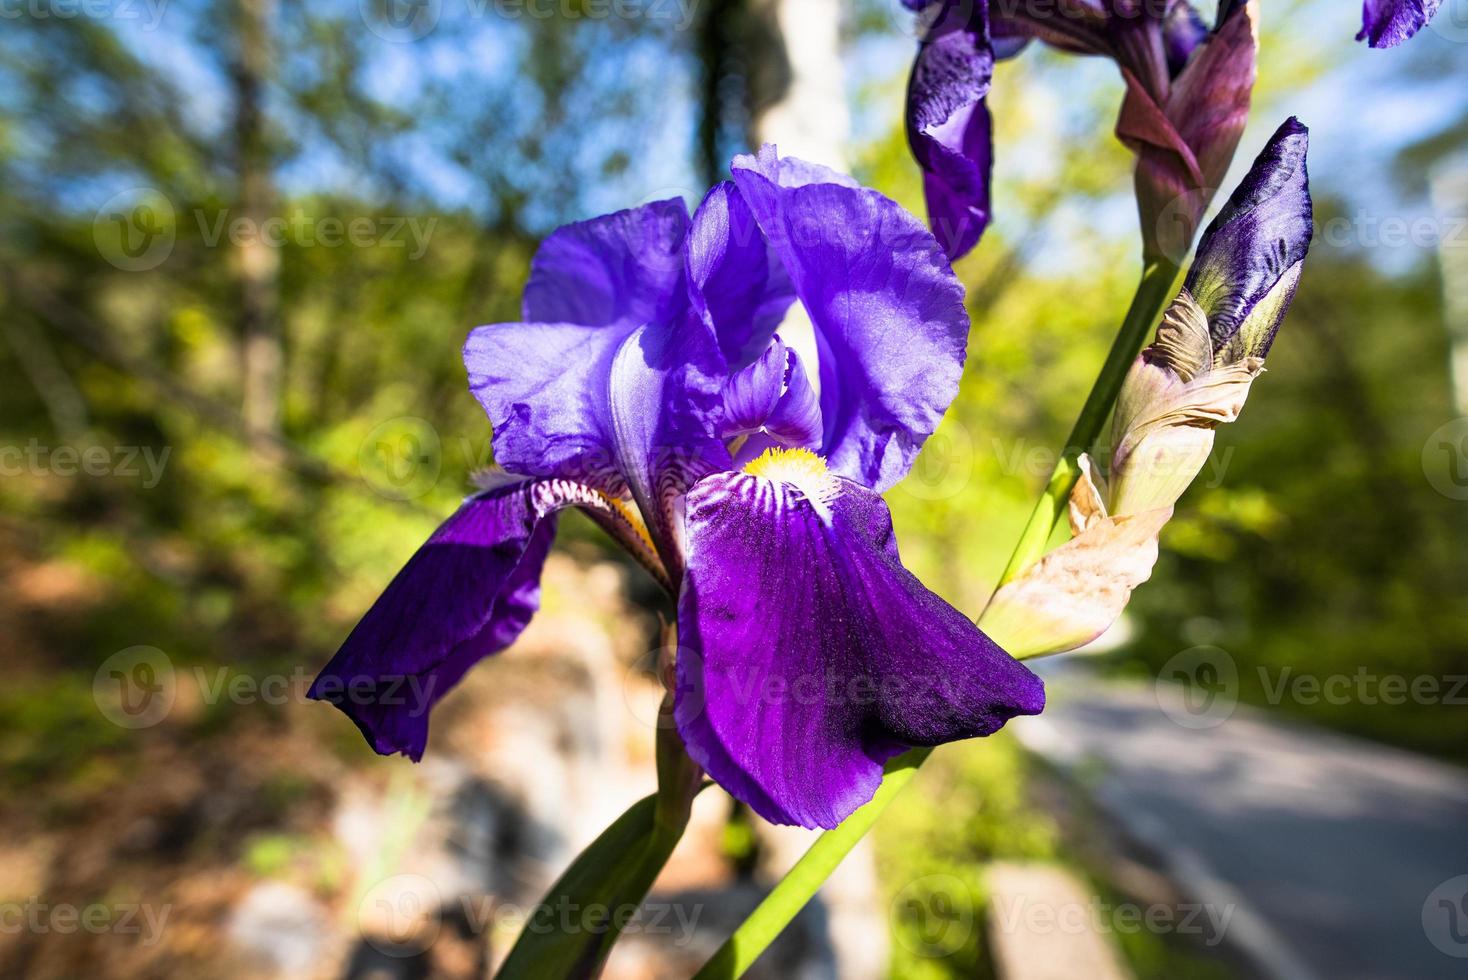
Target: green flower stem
x=799 y=886
x=1152 y=294
x=805 y=879
x=614 y=874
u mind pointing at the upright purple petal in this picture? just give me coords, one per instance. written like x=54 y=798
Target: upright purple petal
x=625 y=267
x=467 y=593
x=773 y=395
x=796 y=420
x=809 y=655
x=1387 y=23
x=734 y=282
x=949 y=130
x=666 y=404
x=545 y=383
x=750 y=395
x=1256 y=242
x=891 y=329
x=546 y=389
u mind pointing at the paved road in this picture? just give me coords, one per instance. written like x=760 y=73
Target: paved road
x=1339 y=854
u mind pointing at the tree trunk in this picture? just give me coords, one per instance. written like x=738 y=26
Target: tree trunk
x=1449 y=195
x=800 y=86
x=257 y=261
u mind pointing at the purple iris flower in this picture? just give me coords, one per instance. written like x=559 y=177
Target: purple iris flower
x=647 y=385
x=1188 y=89
x=1387 y=23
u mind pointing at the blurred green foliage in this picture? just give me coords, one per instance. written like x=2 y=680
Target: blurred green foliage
x=1322 y=550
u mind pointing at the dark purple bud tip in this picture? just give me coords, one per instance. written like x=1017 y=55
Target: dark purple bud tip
x=1249 y=258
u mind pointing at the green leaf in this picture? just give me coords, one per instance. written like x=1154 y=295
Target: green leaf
x=571 y=932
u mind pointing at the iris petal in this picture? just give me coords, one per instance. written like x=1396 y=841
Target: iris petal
x=733 y=280
x=1256 y=241
x=887 y=310
x=1182 y=31
x=949 y=130
x=809 y=655
x=796 y=420
x=750 y=395
x=545 y=387
x=773 y=394
x=666 y=395
x=467 y=593
x=1387 y=23
x=545 y=382
x=625 y=267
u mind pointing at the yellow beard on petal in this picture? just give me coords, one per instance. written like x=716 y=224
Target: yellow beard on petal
x=801 y=469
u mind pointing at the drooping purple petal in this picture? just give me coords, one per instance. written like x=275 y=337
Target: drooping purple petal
x=733 y=280
x=625 y=267
x=809 y=655
x=949 y=130
x=1256 y=241
x=1387 y=23
x=467 y=593
x=888 y=313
